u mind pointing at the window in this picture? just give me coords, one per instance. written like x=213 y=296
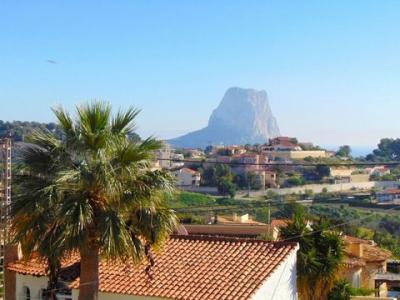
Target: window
x=26 y=292
x=356 y=280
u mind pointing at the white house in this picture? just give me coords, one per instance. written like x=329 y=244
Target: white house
x=378 y=171
x=166 y=158
x=189 y=267
x=187 y=177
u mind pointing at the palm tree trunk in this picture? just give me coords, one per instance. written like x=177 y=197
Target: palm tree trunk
x=89 y=278
x=54 y=268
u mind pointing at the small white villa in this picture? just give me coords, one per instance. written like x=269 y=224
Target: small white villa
x=187 y=177
x=189 y=267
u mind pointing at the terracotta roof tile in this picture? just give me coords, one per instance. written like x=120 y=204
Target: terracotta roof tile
x=189 y=267
x=279 y=223
x=190 y=171
x=371 y=251
x=235 y=230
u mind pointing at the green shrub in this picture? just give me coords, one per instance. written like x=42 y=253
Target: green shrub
x=361 y=291
x=340 y=291
x=187 y=199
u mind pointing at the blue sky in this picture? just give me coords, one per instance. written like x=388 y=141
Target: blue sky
x=331 y=68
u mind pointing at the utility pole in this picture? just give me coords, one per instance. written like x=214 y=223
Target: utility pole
x=5 y=202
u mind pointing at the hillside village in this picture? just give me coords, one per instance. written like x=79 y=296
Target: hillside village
x=281 y=165
x=303 y=172
x=200 y=150
x=252 y=195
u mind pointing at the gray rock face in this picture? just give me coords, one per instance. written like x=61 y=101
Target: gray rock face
x=243 y=116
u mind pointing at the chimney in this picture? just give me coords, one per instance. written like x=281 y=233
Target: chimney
x=357 y=249
x=10 y=277
x=235 y=217
x=244 y=218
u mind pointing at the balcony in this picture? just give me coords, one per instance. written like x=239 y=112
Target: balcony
x=391 y=279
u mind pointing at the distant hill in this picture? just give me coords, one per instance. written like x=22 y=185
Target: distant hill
x=244 y=116
x=21 y=129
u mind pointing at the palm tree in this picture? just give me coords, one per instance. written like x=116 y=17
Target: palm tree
x=93 y=191
x=318 y=258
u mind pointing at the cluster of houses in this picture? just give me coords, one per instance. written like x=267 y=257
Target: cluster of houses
x=352 y=174
x=231 y=257
x=259 y=160
x=242 y=159
x=225 y=259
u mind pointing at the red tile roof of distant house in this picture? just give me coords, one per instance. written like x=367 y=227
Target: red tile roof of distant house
x=279 y=223
x=287 y=144
x=188 y=268
x=371 y=252
x=283 y=142
x=190 y=171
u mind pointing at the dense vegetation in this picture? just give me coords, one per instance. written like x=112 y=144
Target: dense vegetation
x=188 y=199
x=198 y=208
x=319 y=256
x=388 y=150
x=21 y=129
x=381 y=227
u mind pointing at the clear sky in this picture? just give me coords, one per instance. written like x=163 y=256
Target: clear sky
x=331 y=68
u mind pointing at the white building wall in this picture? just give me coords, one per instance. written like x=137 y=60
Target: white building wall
x=282 y=283
x=185 y=178
x=35 y=285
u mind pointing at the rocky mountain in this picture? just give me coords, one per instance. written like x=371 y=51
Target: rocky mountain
x=243 y=117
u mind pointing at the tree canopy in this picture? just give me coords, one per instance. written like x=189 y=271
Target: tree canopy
x=319 y=256
x=93 y=191
x=388 y=149
x=344 y=151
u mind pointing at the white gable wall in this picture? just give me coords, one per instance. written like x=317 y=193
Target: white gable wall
x=282 y=283
x=34 y=283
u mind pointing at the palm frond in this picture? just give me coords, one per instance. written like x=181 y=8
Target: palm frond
x=93 y=123
x=124 y=122
x=66 y=122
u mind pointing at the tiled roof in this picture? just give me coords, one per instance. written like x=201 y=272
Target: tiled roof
x=189 y=268
x=351 y=261
x=371 y=252
x=38 y=267
x=234 y=230
x=279 y=223
x=283 y=138
x=190 y=171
